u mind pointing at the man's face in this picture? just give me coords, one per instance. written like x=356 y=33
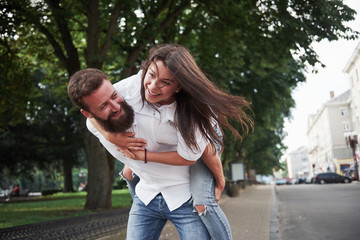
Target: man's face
x=109 y=108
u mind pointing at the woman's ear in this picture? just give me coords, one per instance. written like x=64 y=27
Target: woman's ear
x=86 y=113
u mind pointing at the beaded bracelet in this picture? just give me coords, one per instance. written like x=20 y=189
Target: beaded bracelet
x=145 y=156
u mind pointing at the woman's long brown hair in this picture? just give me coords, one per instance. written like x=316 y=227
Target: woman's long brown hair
x=199 y=102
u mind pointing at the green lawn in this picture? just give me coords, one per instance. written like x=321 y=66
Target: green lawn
x=56 y=206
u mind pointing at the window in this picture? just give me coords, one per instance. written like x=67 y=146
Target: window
x=344 y=112
x=346 y=126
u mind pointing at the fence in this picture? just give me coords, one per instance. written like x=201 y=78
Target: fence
x=91 y=226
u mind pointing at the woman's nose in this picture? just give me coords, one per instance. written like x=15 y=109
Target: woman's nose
x=152 y=84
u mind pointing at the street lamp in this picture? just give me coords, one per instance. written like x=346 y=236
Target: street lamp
x=351 y=140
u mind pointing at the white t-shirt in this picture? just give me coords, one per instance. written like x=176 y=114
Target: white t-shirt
x=157 y=127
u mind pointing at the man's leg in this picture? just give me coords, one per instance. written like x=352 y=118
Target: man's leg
x=145 y=222
x=188 y=222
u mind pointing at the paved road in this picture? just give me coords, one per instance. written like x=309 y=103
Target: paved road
x=312 y=211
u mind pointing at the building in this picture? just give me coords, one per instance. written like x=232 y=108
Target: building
x=327 y=145
x=352 y=69
x=298 y=164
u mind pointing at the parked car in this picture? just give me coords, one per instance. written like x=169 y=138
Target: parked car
x=283 y=181
x=309 y=180
x=300 y=181
x=331 y=177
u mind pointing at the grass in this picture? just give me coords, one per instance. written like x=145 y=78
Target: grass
x=56 y=206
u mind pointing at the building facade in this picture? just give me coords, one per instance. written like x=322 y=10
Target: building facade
x=298 y=164
x=352 y=69
x=327 y=146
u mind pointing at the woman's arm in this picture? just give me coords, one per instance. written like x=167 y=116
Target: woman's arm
x=169 y=158
x=122 y=140
x=211 y=160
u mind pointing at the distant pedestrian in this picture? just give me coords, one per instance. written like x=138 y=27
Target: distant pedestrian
x=16 y=191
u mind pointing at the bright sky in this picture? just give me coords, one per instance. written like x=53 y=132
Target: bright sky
x=310 y=96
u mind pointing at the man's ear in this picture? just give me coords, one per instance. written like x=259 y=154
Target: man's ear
x=86 y=113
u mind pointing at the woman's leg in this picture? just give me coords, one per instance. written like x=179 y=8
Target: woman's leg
x=202 y=189
x=130 y=178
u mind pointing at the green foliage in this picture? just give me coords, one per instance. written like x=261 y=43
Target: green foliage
x=284 y=168
x=50 y=191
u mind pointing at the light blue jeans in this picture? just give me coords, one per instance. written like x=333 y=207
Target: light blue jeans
x=202 y=186
x=147 y=222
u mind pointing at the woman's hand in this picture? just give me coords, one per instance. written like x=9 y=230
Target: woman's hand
x=126 y=140
x=133 y=154
x=121 y=140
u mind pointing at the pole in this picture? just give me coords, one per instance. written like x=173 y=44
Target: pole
x=353 y=142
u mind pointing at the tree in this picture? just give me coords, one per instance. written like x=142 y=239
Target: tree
x=61 y=27
x=253 y=49
x=246 y=46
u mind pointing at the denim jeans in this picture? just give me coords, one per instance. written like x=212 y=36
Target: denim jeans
x=147 y=222
x=131 y=183
x=202 y=185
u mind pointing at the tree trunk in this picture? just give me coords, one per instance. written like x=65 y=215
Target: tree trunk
x=67 y=170
x=100 y=174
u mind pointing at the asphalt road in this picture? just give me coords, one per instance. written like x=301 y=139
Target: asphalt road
x=313 y=211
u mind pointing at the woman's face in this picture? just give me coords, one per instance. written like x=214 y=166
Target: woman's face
x=160 y=86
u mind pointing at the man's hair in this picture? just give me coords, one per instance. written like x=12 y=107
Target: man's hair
x=83 y=83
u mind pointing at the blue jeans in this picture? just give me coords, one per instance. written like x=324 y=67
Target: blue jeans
x=202 y=185
x=131 y=183
x=147 y=222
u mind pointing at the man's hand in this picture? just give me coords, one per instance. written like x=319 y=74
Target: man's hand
x=219 y=188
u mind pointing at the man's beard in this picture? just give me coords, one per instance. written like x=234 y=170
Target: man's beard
x=120 y=124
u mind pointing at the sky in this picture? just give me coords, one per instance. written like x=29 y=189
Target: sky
x=311 y=95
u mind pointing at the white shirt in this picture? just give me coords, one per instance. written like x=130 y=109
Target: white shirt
x=158 y=129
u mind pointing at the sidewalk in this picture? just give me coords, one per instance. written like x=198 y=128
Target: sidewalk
x=249 y=215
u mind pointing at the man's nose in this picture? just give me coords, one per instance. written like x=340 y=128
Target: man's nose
x=115 y=104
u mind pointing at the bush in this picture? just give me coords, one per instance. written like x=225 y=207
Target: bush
x=50 y=191
x=120 y=184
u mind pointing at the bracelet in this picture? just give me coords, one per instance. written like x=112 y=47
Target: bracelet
x=145 y=156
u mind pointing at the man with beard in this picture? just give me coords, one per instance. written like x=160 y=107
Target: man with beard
x=163 y=185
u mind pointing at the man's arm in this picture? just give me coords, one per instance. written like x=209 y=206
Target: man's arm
x=213 y=162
